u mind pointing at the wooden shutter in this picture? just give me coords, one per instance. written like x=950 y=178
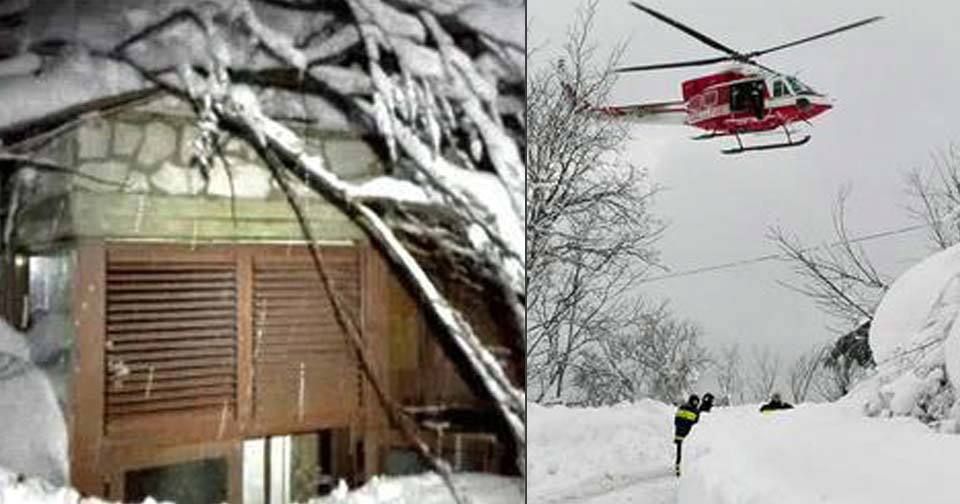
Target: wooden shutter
x=171 y=333
x=305 y=372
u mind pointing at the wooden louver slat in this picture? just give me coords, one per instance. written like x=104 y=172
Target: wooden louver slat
x=303 y=364
x=171 y=331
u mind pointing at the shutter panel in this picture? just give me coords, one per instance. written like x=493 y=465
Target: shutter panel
x=304 y=369
x=171 y=334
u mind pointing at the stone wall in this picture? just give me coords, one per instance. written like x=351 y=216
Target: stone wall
x=141 y=150
x=136 y=181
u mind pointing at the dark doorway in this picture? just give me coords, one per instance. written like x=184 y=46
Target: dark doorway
x=195 y=482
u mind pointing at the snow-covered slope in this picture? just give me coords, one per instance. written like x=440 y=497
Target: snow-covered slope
x=915 y=341
x=828 y=454
x=816 y=453
x=618 y=454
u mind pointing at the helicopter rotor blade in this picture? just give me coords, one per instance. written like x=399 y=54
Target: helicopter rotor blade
x=676 y=64
x=815 y=37
x=690 y=31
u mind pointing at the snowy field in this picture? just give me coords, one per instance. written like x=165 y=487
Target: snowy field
x=601 y=455
x=828 y=454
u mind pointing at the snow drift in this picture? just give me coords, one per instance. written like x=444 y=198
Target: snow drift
x=33 y=434
x=829 y=454
x=916 y=344
x=578 y=453
x=429 y=489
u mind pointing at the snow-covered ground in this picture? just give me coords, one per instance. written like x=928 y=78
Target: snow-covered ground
x=601 y=455
x=429 y=489
x=17 y=489
x=823 y=453
x=420 y=489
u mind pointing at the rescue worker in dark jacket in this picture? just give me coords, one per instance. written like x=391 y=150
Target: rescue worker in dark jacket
x=775 y=404
x=687 y=415
x=707 y=403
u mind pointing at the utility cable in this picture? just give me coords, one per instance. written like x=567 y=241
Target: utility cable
x=770 y=257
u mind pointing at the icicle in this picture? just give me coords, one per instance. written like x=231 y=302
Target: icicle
x=303 y=376
x=149 y=382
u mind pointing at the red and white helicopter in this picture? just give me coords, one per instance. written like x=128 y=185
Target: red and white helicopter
x=744 y=99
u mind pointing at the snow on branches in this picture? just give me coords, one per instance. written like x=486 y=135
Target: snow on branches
x=438 y=83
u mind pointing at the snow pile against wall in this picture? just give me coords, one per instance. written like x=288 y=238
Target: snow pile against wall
x=828 y=454
x=16 y=489
x=916 y=344
x=33 y=433
x=429 y=489
x=589 y=451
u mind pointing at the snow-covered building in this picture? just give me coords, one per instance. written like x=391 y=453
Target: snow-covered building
x=185 y=330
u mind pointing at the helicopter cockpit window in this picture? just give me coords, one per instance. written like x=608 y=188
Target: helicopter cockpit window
x=780 y=89
x=799 y=87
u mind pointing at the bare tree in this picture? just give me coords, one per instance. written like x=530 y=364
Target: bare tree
x=838 y=277
x=588 y=226
x=436 y=86
x=936 y=195
x=765 y=370
x=805 y=371
x=653 y=354
x=730 y=379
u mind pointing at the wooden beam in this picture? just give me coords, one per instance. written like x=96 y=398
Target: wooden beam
x=86 y=415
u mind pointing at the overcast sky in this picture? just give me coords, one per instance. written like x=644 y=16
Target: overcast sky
x=896 y=86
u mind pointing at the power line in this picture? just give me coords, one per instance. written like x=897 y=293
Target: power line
x=770 y=257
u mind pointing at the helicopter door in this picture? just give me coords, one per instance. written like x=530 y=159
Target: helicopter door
x=747 y=97
x=780 y=89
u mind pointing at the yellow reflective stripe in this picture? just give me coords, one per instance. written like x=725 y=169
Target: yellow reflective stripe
x=687 y=415
x=678 y=438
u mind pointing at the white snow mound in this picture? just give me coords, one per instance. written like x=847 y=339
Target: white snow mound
x=33 y=433
x=577 y=453
x=906 y=308
x=826 y=454
x=429 y=489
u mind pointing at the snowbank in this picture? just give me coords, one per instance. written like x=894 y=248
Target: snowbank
x=429 y=489
x=33 y=433
x=827 y=454
x=916 y=344
x=15 y=489
x=906 y=307
x=573 y=453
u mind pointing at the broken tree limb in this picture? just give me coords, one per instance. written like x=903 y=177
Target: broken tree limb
x=239 y=113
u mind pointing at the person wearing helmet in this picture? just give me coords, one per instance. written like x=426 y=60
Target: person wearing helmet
x=776 y=403
x=707 y=404
x=687 y=415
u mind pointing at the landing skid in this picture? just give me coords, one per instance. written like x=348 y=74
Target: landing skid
x=789 y=143
x=783 y=145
